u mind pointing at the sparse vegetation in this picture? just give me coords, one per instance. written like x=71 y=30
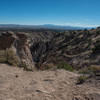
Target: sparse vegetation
x=9 y=57
x=2 y=56
x=64 y=65
x=85 y=70
x=92 y=70
x=95 y=70
x=12 y=58
x=2 y=59
x=23 y=65
x=82 y=79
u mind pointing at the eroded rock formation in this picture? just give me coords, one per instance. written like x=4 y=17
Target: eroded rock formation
x=15 y=50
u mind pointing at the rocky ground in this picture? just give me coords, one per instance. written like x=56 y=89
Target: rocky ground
x=17 y=84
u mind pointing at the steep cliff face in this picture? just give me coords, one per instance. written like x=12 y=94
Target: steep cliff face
x=15 y=50
x=23 y=50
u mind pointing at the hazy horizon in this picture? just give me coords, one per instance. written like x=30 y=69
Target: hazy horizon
x=69 y=25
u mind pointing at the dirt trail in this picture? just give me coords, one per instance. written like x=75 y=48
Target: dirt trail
x=16 y=84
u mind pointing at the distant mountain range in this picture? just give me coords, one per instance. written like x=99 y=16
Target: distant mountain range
x=45 y=26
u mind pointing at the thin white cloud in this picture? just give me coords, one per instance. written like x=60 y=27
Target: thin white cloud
x=81 y=25
x=76 y=24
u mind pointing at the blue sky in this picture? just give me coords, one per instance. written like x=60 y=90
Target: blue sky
x=60 y=12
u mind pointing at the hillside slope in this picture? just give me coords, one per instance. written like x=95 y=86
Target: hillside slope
x=77 y=48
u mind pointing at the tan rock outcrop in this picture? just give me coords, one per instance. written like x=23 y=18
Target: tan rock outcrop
x=15 y=50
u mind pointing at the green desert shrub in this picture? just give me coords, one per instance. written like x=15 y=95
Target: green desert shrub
x=81 y=79
x=65 y=65
x=2 y=56
x=11 y=57
x=8 y=56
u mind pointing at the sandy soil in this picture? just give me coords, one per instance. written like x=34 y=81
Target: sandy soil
x=16 y=84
